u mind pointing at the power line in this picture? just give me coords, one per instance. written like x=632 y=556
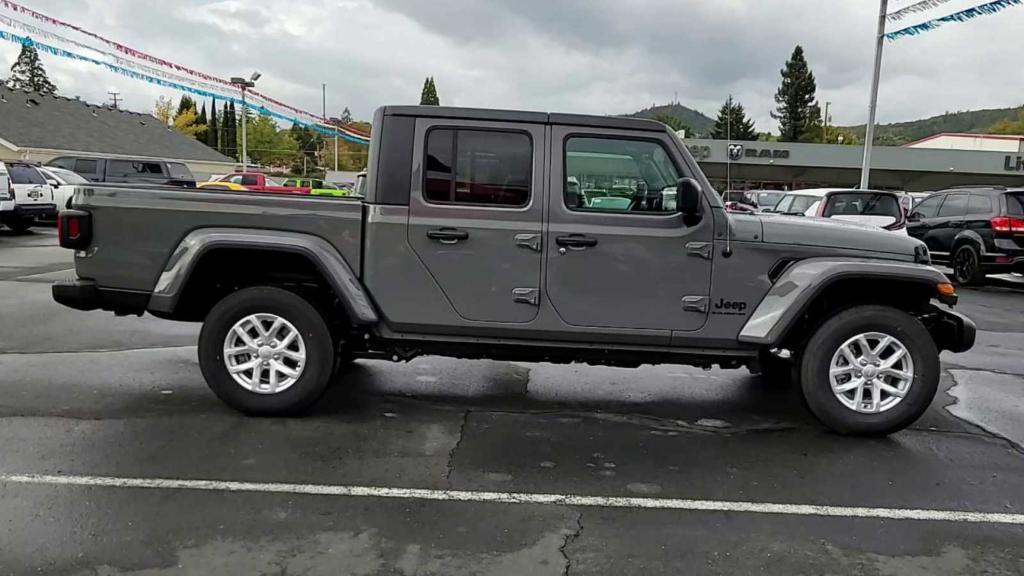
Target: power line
x=116 y=97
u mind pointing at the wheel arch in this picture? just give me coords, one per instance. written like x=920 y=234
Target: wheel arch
x=967 y=237
x=318 y=258
x=812 y=289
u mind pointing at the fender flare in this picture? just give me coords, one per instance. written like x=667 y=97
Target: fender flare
x=802 y=282
x=965 y=237
x=325 y=257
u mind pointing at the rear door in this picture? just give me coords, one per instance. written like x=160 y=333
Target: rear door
x=30 y=188
x=949 y=222
x=475 y=217
x=631 y=264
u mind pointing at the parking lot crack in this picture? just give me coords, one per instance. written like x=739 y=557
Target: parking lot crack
x=570 y=537
x=455 y=447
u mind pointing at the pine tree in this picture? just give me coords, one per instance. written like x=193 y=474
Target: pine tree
x=230 y=131
x=213 y=128
x=204 y=122
x=185 y=104
x=732 y=123
x=796 y=105
x=346 y=116
x=429 y=95
x=28 y=73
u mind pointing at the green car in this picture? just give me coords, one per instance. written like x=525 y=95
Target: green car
x=318 y=187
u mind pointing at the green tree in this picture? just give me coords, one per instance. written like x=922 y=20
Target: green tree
x=673 y=122
x=429 y=95
x=268 y=145
x=27 y=72
x=213 y=127
x=797 y=108
x=307 y=141
x=230 y=132
x=733 y=124
x=203 y=121
x=186 y=103
x=1007 y=126
x=346 y=116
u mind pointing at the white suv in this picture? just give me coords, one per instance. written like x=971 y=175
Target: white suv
x=30 y=195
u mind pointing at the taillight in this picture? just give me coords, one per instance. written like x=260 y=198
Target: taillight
x=74 y=228
x=1007 y=224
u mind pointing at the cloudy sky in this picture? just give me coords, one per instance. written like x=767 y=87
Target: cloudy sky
x=594 y=56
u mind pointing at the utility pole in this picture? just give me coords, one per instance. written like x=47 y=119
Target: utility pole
x=869 y=131
x=824 y=130
x=116 y=97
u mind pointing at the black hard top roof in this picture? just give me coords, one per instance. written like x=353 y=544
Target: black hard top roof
x=619 y=122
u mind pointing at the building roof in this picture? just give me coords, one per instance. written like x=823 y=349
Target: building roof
x=967 y=135
x=48 y=122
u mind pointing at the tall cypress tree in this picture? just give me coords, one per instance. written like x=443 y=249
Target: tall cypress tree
x=230 y=132
x=186 y=103
x=733 y=124
x=428 y=97
x=28 y=73
x=213 y=128
x=797 y=108
x=202 y=121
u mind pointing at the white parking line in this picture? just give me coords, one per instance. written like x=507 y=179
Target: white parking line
x=519 y=498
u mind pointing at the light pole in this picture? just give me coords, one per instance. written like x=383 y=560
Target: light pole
x=824 y=132
x=869 y=131
x=244 y=85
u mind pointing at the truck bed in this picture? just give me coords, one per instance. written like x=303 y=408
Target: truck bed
x=136 y=229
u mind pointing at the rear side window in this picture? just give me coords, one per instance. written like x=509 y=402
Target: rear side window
x=85 y=166
x=22 y=174
x=250 y=180
x=862 y=204
x=478 y=167
x=979 y=205
x=955 y=205
x=179 y=171
x=1015 y=204
x=137 y=169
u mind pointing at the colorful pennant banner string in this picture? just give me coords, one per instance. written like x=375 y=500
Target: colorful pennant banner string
x=256 y=107
x=140 y=55
x=914 y=8
x=962 y=16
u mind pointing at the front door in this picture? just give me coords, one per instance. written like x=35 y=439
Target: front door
x=619 y=254
x=475 y=221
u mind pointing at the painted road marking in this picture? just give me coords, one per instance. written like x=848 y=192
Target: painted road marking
x=519 y=498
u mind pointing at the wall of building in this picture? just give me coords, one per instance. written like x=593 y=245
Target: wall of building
x=981 y=143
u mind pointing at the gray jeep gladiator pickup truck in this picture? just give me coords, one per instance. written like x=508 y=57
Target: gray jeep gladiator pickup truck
x=524 y=236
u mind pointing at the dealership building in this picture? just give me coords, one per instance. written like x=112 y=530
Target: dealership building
x=915 y=167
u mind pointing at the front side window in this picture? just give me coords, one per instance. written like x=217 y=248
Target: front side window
x=954 y=206
x=623 y=176
x=927 y=208
x=478 y=167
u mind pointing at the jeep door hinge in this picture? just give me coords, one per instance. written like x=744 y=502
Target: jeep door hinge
x=529 y=296
x=695 y=304
x=699 y=249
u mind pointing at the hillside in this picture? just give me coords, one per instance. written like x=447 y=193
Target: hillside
x=972 y=121
x=698 y=122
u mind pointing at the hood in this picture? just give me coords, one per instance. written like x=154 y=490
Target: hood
x=806 y=231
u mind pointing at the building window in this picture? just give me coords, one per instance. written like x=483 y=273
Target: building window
x=478 y=167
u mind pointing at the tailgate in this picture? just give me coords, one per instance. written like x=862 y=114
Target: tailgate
x=32 y=194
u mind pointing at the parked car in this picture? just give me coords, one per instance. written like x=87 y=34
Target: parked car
x=318 y=187
x=764 y=200
x=252 y=182
x=977 y=231
x=63 y=183
x=737 y=201
x=6 y=191
x=127 y=170
x=479 y=248
x=877 y=208
x=32 y=197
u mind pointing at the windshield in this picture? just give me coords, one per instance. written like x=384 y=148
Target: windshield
x=769 y=199
x=862 y=204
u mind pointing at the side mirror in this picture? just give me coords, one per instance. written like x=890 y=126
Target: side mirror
x=53 y=183
x=688 y=196
x=914 y=217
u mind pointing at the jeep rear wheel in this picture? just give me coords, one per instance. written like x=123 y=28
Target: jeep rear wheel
x=870 y=370
x=266 y=351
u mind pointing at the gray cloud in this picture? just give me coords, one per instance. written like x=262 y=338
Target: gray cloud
x=597 y=56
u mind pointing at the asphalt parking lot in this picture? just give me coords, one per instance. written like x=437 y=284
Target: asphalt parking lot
x=115 y=459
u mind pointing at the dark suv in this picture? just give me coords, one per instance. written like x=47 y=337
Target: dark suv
x=976 y=231
x=128 y=170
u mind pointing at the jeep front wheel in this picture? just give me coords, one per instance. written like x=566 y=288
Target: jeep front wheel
x=266 y=351
x=870 y=370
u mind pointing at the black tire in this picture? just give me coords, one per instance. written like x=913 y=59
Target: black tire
x=966 y=264
x=19 y=224
x=825 y=342
x=310 y=324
